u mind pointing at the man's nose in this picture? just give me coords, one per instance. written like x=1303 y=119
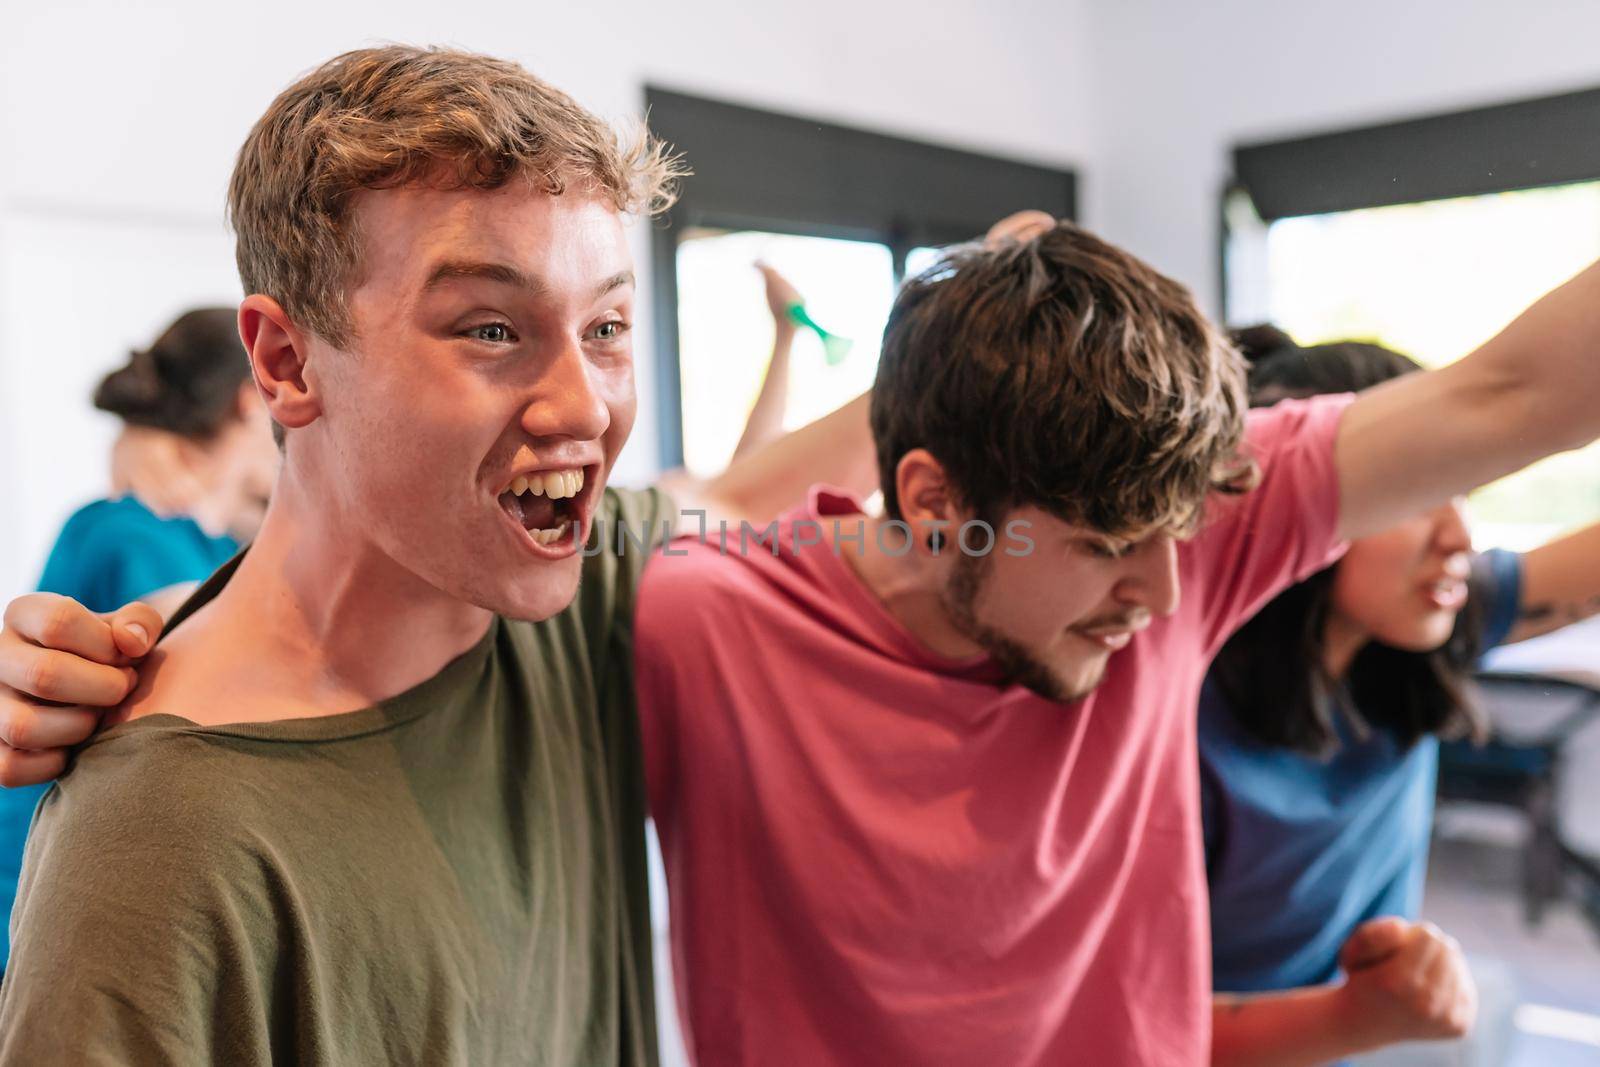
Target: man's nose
x=565 y=401
x=1151 y=579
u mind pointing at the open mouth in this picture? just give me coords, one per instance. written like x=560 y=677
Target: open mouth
x=550 y=506
x=1448 y=594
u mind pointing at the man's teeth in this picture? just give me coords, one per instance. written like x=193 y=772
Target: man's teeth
x=550 y=536
x=557 y=485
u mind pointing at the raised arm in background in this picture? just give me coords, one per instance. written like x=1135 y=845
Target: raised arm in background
x=765 y=423
x=1560 y=584
x=1530 y=391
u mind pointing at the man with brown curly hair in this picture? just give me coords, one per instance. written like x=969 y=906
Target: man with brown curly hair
x=927 y=782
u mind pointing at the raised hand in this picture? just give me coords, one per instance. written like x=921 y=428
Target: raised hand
x=1018 y=228
x=781 y=295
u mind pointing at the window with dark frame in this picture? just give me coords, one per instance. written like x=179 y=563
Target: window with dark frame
x=1427 y=235
x=845 y=209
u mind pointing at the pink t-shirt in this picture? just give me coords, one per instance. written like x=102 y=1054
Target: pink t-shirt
x=878 y=857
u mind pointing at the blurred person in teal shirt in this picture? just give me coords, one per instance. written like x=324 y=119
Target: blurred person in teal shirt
x=191 y=474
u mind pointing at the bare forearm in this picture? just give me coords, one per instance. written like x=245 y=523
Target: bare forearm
x=836 y=449
x=1530 y=391
x=766 y=417
x=1553 y=350
x=1298 y=1028
x=1560 y=584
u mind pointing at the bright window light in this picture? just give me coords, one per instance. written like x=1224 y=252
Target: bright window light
x=725 y=330
x=1434 y=281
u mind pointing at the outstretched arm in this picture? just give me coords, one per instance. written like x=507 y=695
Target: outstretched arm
x=1530 y=391
x=1560 y=584
x=836 y=449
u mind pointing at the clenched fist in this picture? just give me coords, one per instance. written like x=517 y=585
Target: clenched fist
x=1406 y=982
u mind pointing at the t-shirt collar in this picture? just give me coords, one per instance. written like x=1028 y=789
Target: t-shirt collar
x=826 y=504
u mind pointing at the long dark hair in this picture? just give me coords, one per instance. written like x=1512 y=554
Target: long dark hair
x=1271 y=671
x=187 y=382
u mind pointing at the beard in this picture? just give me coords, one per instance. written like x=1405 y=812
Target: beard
x=1019 y=664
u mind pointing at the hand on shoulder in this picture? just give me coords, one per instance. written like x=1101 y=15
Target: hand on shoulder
x=61 y=665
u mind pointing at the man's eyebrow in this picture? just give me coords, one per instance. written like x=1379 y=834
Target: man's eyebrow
x=506 y=274
x=503 y=273
x=616 y=281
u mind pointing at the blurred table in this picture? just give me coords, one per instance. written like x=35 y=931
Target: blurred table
x=1572 y=654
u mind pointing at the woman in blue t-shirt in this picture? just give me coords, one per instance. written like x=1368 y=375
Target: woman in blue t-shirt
x=1320 y=719
x=189 y=410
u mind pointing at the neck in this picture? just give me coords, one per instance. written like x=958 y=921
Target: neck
x=217 y=509
x=331 y=617
x=909 y=586
x=1342 y=640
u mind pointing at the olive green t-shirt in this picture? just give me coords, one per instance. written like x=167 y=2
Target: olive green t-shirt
x=454 y=876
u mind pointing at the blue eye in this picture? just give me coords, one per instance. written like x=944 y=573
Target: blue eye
x=611 y=330
x=493 y=332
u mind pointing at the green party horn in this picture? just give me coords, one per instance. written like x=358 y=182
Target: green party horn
x=834 y=347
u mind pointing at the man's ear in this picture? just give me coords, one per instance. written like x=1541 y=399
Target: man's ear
x=278 y=351
x=927 y=501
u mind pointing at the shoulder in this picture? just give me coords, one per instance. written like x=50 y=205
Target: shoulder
x=133 y=908
x=1291 y=448
x=698 y=578
x=111 y=519
x=140 y=820
x=1296 y=424
x=156 y=813
x=1498 y=574
x=107 y=534
x=1283 y=528
x=92 y=526
x=141 y=785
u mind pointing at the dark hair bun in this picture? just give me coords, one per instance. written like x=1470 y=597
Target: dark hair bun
x=1256 y=343
x=133 y=391
x=187 y=382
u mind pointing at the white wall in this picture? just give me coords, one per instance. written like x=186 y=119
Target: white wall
x=119 y=124
x=1177 y=85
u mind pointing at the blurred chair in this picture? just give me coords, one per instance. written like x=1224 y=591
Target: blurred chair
x=1533 y=718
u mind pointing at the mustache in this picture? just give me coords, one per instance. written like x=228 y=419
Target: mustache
x=1137 y=619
